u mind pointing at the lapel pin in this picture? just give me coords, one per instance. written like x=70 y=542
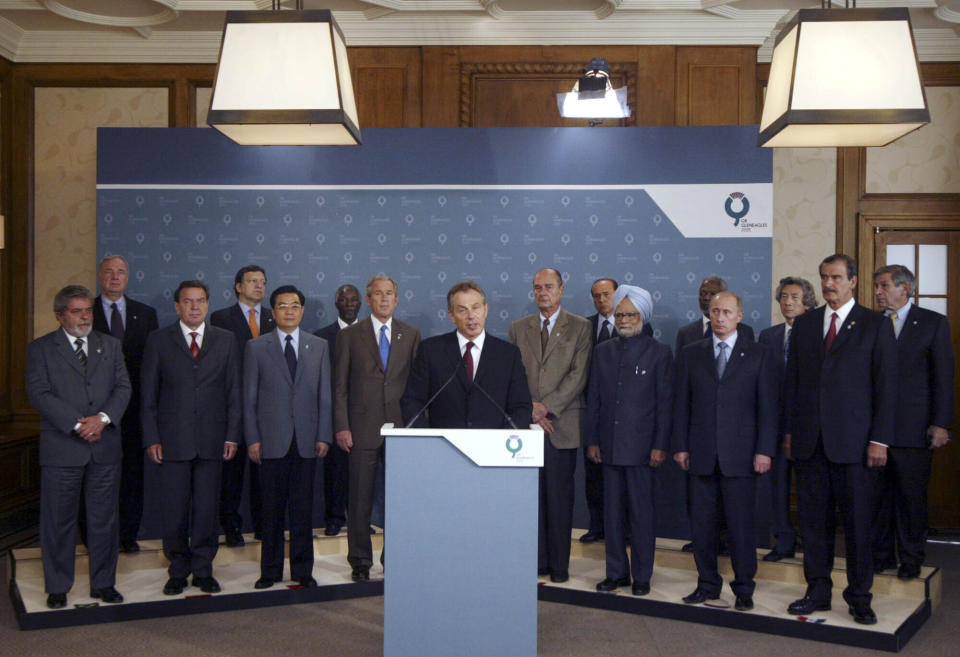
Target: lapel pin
x=99 y=349
x=643 y=372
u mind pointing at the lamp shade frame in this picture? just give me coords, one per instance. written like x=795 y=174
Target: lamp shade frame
x=857 y=119
x=337 y=119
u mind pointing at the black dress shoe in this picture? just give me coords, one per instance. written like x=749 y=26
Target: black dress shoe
x=263 y=583
x=880 y=566
x=258 y=535
x=109 y=594
x=743 y=603
x=641 y=588
x=609 y=584
x=57 y=600
x=360 y=574
x=206 y=584
x=129 y=546
x=233 y=538
x=807 y=605
x=543 y=572
x=559 y=577
x=591 y=537
x=687 y=547
x=863 y=614
x=777 y=555
x=699 y=596
x=908 y=571
x=307 y=582
x=332 y=529
x=175 y=586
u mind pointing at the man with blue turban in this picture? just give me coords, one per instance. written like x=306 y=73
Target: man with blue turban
x=629 y=407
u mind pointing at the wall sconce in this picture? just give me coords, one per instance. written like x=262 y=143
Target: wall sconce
x=283 y=80
x=843 y=77
x=593 y=97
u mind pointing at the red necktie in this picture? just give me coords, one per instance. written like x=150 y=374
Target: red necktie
x=194 y=347
x=468 y=357
x=831 y=334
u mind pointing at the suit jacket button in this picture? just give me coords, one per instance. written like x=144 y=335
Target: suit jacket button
x=469 y=424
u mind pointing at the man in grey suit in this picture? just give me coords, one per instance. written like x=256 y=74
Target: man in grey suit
x=77 y=380
x=555 y=347
x=371 y=365
x=191 y=424
x=287 y=424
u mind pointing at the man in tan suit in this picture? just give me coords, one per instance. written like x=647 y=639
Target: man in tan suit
x=555 y=346
x=371 y=363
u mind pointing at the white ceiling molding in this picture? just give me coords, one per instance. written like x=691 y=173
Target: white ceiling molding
x=164 y=14
x=947 y=14
x=10 y=38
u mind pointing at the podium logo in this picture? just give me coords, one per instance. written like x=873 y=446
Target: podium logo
x=514 y=445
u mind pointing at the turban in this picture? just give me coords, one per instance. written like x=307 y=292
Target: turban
x=639 y=297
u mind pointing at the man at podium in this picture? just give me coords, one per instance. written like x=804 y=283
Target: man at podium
x=467 y=378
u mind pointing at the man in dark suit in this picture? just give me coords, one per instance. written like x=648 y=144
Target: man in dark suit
x=629 y=432
x=555 y=346
x=130 y=322
x=725 y=430
x=371 y=363
x=795 y=296
x=192 y=422
x=473 y=363
x=923 y=417
x=246 y=319
x=841 y=395
x=77 y=381
x=288 y=425
x=336 y=465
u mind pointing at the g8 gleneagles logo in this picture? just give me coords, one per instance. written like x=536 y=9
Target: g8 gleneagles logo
x=737 y=215
x=514 y=445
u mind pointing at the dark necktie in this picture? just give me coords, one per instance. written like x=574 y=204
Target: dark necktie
x=384 y=347
x=707 y=331
x=291 y=357
x=79 y=353
x=604 y=332
x=544 y=335
x=116 y=322
x=468 y=358
x=194 y=347
x=786 y=346
x=831 y=334
x=721 y=359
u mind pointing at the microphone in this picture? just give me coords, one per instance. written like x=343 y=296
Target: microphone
x=435 y=395
x=497 y=405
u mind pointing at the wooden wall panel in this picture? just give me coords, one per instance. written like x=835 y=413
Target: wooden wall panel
x=387 y=86
x=716 y=86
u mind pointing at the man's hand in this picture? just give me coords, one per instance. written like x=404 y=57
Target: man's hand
x=345 y=440
x=786 y=446
x=322 y=449
x=229 y=451
x=683 y=460
x=255 y=453
x=593 y=453
x=546 y=425
x=876 y=455
x=91 y=427
x=761 y=463
x=539 y=411
x=938 y=436
x=657 y=457
x=155 y=452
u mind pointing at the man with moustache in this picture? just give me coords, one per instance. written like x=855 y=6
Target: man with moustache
x=336 y=467
x=287 y=422
x=77 y=381
x=724 y=431
x=192 y=422
x=487 y=386
x=629 y=402
x=841 y=395
x=130 y=322
x=371 y=365
x=795 y=296
x=555 y=346
x=246 y=319
x=924 y=414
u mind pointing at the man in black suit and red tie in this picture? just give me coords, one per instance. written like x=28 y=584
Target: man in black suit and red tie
x=336 y=467
x=131 y=322
x=192 y=422
x=841 y=398
x=724 y=433
x=248 y=318
x=925 y=365
x=795 y=296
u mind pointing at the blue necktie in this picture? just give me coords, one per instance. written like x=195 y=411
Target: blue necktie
x=116 y=322
x=721 y=359
x=291 y=356
x=384 y=346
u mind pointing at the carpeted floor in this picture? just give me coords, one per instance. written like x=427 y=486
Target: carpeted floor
x=355 y=628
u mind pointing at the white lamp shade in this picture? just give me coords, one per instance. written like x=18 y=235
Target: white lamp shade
x=283 y=79
x=611 y=105
x=843 y=77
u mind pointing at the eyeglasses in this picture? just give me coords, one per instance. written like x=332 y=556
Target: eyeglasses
x=626 y=315
x=289 y=306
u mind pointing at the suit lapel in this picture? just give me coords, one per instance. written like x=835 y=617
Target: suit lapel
x=369 y=339
x=241 y=320
x=849 y=326
x=176 y=335
x=396 y=335
x=737 y=354
x=275 y=353
x=94 y=352
x=558 y=331
x=531 y=335
x=709 y=360
x=912 y=323
x=452 y=348
x=67 y=351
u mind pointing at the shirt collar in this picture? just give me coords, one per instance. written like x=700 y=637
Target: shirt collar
x=186 y=330
x=842 y=313
x=377 y=324
x=246 y=309
x=902 y=311
x=730 y=341
x=282 y=336
x=477 y=341
x=343 y=324
x=72 y=339
x=121 y=305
